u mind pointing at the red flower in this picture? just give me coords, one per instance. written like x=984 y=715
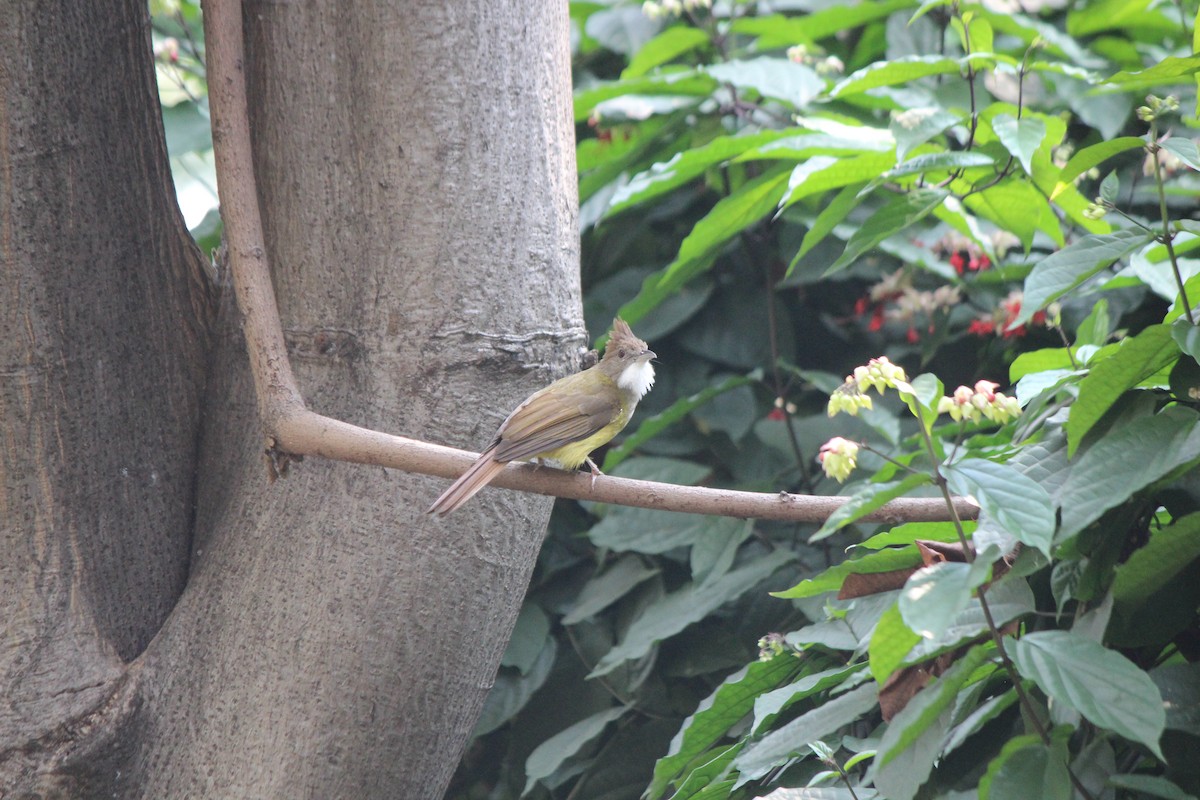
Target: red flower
x=982 y=327
x=912 y=336
x=777 y=415
x=956 y=261
x=861 y=305
x=876 y=322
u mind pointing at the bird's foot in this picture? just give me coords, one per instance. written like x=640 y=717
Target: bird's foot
x=595 y=470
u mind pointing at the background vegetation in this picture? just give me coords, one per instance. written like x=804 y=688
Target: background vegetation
x=772 y=194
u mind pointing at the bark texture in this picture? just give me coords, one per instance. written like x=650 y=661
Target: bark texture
x=103 y=342
x=417 y=181
x=173 y=625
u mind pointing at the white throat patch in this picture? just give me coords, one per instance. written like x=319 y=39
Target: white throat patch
x=637 y=378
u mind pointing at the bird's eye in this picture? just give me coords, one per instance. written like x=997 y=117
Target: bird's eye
x=621 y=353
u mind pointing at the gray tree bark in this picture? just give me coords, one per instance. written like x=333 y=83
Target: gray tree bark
x=318 y=637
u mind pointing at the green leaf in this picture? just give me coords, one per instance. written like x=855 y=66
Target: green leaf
x=668 y=45
x=1027 y=768
x=1108 y=378
x=898 y=70
x=1179 y=683
x=761 y=756
x=779 y=31
x=780 y=78
x=677 y=411
x=1101 y=684
x=528 y=639
x=716 y=714
x=188 y=130
x=550 y=754
x=915 y=126
x=1093 y=156
x=767 y=706
x=867 y=499
x=1170 y=551
x=830 y=217
x=609 y=586
x=831 y=579
x=1153 y=785
x=934 y=595
x=699 y=250
x=685 y=167
x=1063 y=271
x=1169 y=70
x=897 y=214
x=643 y=530
x=1016 y=206
x=890 y=644
x=913 y=738
x=512 y=690
x=692 y=603
x=1016 y=502
x=1126 y=460
x=909 y=532
x=940 y=162
x=1184 y=149
x=1187 y=336
x=688 y=82
x=822 y=173
x=1021 y=137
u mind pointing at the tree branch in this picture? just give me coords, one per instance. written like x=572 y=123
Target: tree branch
x=291 y=428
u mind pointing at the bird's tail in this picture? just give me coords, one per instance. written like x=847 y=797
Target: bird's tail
x=477 y=476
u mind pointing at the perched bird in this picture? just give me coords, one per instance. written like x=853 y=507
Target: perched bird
x=563 y=423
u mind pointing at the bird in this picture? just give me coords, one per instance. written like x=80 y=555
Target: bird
x=563 y=423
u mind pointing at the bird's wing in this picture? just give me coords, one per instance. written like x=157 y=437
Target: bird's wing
x=567 y=411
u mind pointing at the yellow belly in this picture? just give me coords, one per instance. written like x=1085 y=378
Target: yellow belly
x=572 y=455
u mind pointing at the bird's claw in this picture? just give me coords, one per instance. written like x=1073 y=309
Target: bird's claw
x=595 y=471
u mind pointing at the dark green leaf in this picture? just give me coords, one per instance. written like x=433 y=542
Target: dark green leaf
x=1027 y=768
x=1153 y=785
x=913 y=738
x=761 y=756
x=1169 y=551
x=1016 y=502
x=1169 y=70
x=867 y=499
x=1127 y=459
x=529 y=638
x=729 y=217
x=940 y=162
x=608 y=587
x=692 y=603
x=664 y=419
x=1101 y=684
x=551 y=754
x=1063 y=271
x=897 y=214
x=831 y=579
x=716 y=714
x=1110 y=377
x=830 y=217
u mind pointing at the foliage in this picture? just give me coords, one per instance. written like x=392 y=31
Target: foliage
x=773 y=194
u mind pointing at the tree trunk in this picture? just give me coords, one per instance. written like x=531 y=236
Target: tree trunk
x=103 y=331
x=417 y=182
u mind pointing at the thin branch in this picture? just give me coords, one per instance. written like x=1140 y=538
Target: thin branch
x=293 y=429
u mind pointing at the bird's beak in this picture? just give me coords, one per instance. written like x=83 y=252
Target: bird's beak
x=648 y=353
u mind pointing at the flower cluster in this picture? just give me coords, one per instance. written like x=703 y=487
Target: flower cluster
x=824 y=65
x=879 y=374
x=908 y=305
x=999 y=322
x=838 y=458
x=1156 y=107
x=771 y=645
x=661 y=9
x=963 y=253
x=980 y=402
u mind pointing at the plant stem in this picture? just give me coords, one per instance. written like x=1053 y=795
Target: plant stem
x=1167 y=236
